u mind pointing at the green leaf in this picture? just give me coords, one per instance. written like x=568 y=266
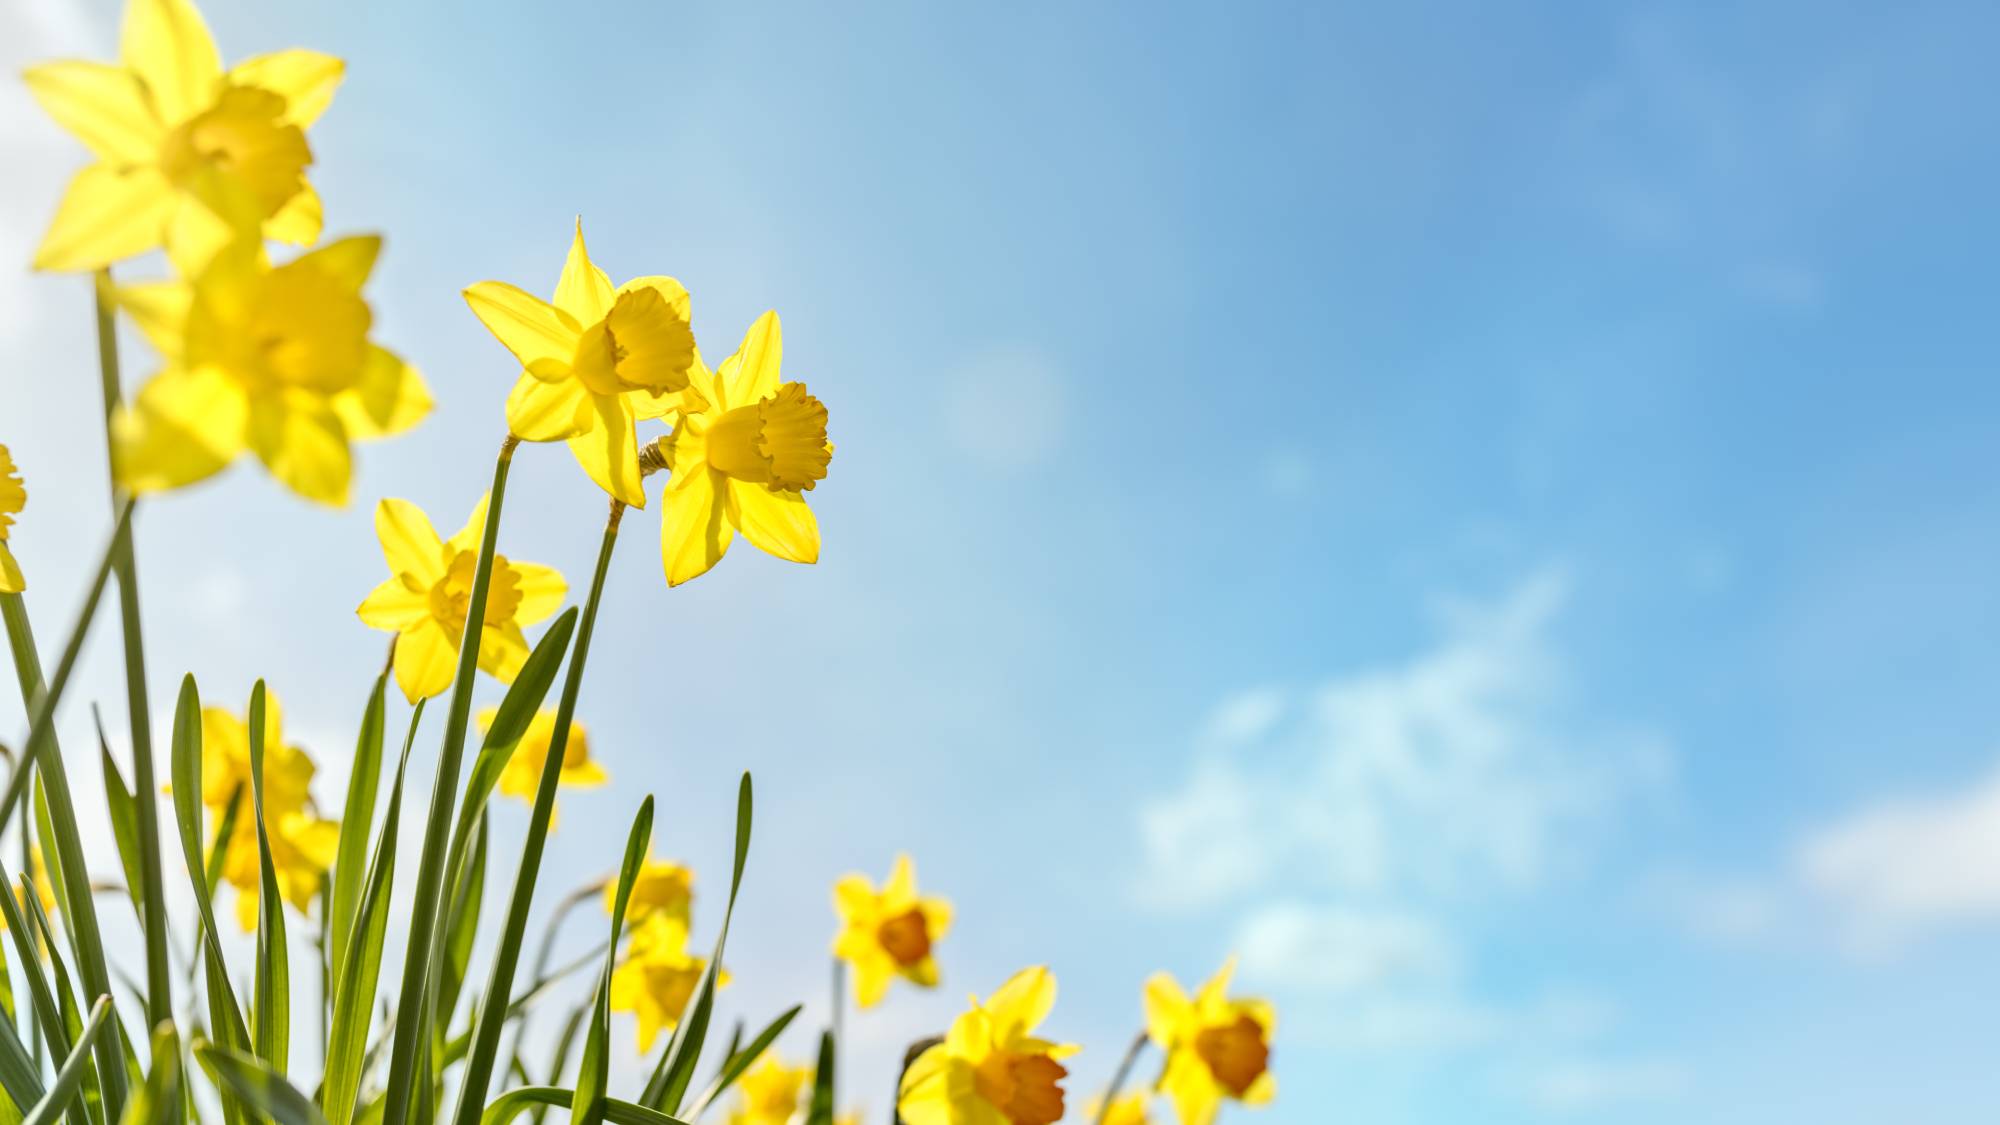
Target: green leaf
x=464 y=925
x=19 y=1074
x=159 y=1098
x=69 y=1078
x=513 y=1103
x=259 y=1086
x=740 y=1061
x=124 y=820
x=356 y=819
x=271 y=1014
x=41 y=991
x=821 y=1110
x=593 y=1074
x=225 y=1012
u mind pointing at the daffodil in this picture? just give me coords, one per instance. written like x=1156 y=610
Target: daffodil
x=302 y=843
x=888 y=933
x=658 y=976
x=745 y=464
x=273 y=359
x=523 y=773
x=13 y=498
x=1127 y=1109
x=429 y=592
x=38 y=876
x=186 y=152
x=770 y=1093
x=593 y=363
x=662 y=888
x=1216 y=1047
x=991 y=1069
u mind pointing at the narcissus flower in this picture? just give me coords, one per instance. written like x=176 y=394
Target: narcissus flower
x=1216 y=1047
x=888 y=933
x=523 y=773
x=745 y=464
x=187 y=153
x=658 y=977
x=661 y=889
x=594 y=362
x=13 y=498
x=302 y=843
x=991 y=1069
x=38 y=876
x=429 y=592
x=770 y=1093
x=276 y=360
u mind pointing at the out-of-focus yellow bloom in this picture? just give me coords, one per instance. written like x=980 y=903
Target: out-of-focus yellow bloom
x=1216 y=1047
x=429 y=591
x=851 y=1117
x=187 y=153
x=662 y=889
x=13 y=498
x=523 y=773
x=276 y=360
x=770 y=1092
x=745 y=463
x=1127 y=1109
x=888 y=933
x=991 y=1069
x=658 y=976
x=594 y=362
x=38 y=875
x=302 y=843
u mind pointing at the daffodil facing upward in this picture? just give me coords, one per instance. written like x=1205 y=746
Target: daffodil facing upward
x=523 y=773
x=991 y=1069
x=13 y=498
x=187 y=153
x=658 y=976
x=770 y=1092
x=273 y=359
x=1217 y=1048
x=594 y=362
x=745 y=464
x=428 y=594
x=302 y=843
x=888 y=933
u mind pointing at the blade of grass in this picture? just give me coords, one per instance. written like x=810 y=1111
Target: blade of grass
x=271 y=1013
x=514 y=1103
x=357 y=817
x=464 y=924
x=259 y=1086
x=225 y=1011
x=593 y=1075
x=158 y=1100
x=124 y=819
x=69 y=1078
x=820 y=1111
x=740 y=1061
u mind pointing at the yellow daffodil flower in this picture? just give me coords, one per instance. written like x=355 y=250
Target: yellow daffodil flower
x=991 y=1069
x=594 y=362
x=276 y=360
x=302 y=843
x=13 y=498
x=429 y=590
x=770 y=1092
x=38 y=875
x=888 y=933
x=523 y=773
x=186 y=152
x=1127 y=1109
x=1216 y=1047
x=662 y=888
x=658 y=977
x=745 y=463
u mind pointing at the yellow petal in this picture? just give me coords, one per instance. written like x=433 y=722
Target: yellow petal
x=160 y=310
x=246 y=908
x=410 y=544
x=900 y=892
x=694 y=528
x=166 y=43
x=540 y=335
x=538 y=411
x=924 y=1095
x=348 y=261
x=777 y=522
x=106 y=214
x=11 y=579
x=105 y=106
x=300 y=220
x=502 y=651
x=871 y=979
x=854 y=897
x=1262 y=1089
x=937 y=916
x=390 y=397
x=196 y=236
x=609 y=451
x=305 y=79
x=675 y=293
x=584 y=291
x=757 y=361
x=1021 y=1004
x=470 y=537
x=425 y=656
x=542 y=591
x=1196 y=1097
x=300 y=439
x=182 y=427
x=1168 y=1010
x=1214 y=994
x=394 y=606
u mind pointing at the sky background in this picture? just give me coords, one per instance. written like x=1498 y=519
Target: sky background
x=1486 y=511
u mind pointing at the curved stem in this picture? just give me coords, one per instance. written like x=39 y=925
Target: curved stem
x=1119 y=1076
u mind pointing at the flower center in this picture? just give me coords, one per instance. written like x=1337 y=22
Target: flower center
x=1235 y=1053
x=641 y=344
x=306 y=329
x=906 y=937
x=451 y=597
x=1022 y=1087
x=244 y=137
x=778 y=441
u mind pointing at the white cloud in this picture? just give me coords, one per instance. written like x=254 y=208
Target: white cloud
x=1590 y=1084
x=1341 y=949
x=1007 y=408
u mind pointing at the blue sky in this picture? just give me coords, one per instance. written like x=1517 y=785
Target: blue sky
x=1488 y=512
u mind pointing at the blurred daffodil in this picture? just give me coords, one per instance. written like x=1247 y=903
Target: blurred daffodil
x=991 y=1069
x=428 y=594
x=186 y=152
x=302 y=843
x=888 y=933
x=523 y=773
x=745 y=464
x=38 y=876
x=1216 y=1047
x=13 y=498
x=658 y=976
x=276 y=360
x=661 y=889
x=770 y=1092
x=1127 y=1109
x=594 y=362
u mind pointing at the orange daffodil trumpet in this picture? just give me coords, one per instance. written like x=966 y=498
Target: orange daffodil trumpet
x=186 y=152
x=594 y=362
x=13 y=498
x=888 y=933
x=428 y=594
x=1216 y=1047
x=991 y=1069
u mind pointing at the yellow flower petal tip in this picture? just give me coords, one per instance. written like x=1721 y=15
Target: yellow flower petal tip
x=522 y=776
x=1217 y=1048
x=13 y=498
x=991 y=1067
x=888 y=933
x=657 y=976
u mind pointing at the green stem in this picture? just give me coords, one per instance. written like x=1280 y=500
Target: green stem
x=412 y=1042
x=1118 y=1078
x=540 y=972
x=486 y=1035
